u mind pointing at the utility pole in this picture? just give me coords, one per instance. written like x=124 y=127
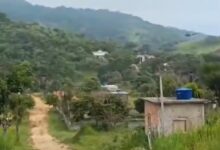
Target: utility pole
x=161 y=103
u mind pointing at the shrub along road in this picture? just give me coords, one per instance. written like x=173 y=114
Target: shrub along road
x=41 y=139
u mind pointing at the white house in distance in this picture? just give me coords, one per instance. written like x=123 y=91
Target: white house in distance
x=110 y=88
x=143 y=58
x=100 y=53
x=114 y=90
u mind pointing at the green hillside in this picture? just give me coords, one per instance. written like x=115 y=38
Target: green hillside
x=208 y=45
x=54 y=54
x=97 y=24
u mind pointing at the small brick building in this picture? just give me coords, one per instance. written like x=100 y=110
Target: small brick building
x=179 y=115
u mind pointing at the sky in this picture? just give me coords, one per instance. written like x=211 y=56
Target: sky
x=196 y=15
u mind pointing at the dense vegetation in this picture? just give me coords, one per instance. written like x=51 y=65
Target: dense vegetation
x=99 y=24
x=15 y=101
x=201 y=73
x=56 y=57
x=10 y=142
x=207 y=45
x=60 y=59
x=34 y=58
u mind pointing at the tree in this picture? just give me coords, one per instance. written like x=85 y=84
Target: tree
x=197 y=90
x=109 y=111
x=78 y=109
x=113 y=77
x=19 y=104
x=18 y=81
x=211 y=76
x=6 y=116
x=20 y=78
x=3 y=95
x=170 y=83
x=72 y=107
x=145 y=48
x=6 y=120
x=146 y=85
x=139 y=105
x=91 y=84
x=52 y=99
x=3 y=18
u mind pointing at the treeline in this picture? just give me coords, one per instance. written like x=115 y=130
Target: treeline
x=14 y=97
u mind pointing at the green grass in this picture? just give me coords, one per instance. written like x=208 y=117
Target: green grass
x=199 y=47
x=88 y=139
x=206 y=138
x=58 y=129
x=24 y=144
x=131 y=102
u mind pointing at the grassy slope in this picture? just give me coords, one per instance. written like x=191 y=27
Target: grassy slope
x=89 y=140
x=25 y=143
x=206 y=138
x=199 y=47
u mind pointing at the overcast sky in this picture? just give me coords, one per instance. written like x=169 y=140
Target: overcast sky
x=196 y=15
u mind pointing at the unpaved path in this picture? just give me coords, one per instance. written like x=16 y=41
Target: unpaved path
x=40 y=137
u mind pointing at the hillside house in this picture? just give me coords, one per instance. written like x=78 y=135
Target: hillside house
x=110 y=88
x=114 y=90
x=178 y=115
x=143 y=58
x=100 y=54
x=122 y=95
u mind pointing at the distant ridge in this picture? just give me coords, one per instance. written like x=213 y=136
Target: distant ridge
x=98 y=24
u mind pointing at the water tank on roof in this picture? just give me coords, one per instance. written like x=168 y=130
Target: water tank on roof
x=184 y=94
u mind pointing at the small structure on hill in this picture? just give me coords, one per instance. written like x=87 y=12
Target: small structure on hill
x=110 y=88
x=114 y=90
x=180 y=114
x=100 y=54
x=122 y=95
x=143 y=58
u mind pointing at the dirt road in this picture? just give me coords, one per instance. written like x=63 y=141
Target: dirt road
x=40 y=137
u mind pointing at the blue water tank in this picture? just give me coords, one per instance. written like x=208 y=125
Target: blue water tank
x=184 y=94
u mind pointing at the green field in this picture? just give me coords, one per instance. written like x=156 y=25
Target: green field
x=88 y=139
x=11 y=144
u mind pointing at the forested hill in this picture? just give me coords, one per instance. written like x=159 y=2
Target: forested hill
x=54 y=55
x=98 y=24
x=208 y=45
